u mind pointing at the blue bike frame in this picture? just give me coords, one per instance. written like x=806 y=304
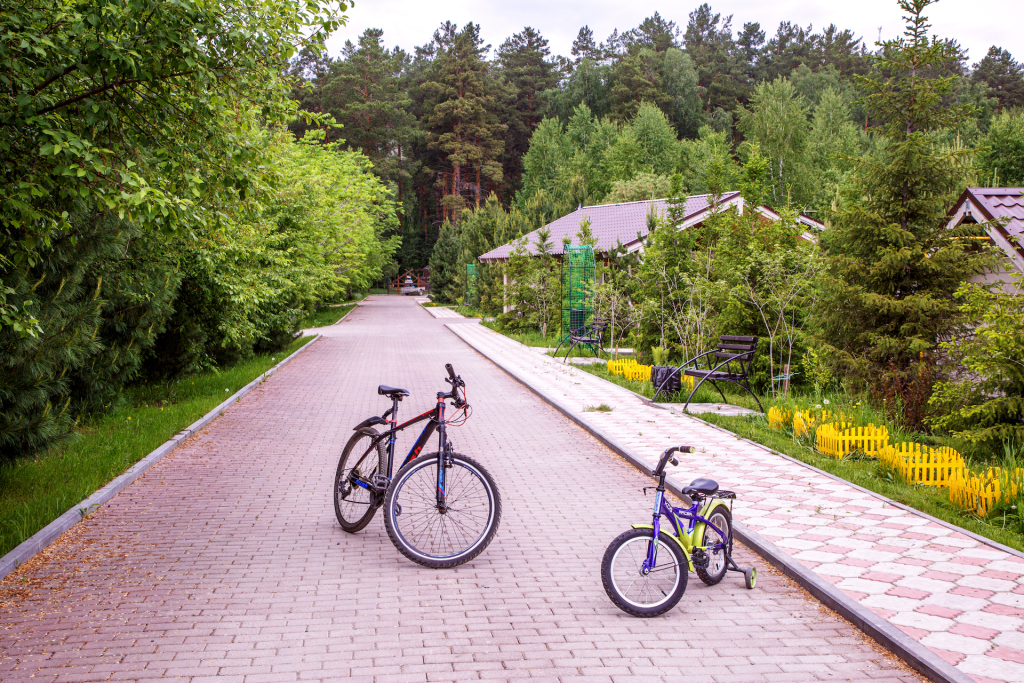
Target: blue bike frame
x=676 y=516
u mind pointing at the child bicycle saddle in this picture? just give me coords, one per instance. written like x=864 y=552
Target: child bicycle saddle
x=385 y=390
x=702 y=485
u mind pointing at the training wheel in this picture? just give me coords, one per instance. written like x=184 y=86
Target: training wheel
x=750 y=576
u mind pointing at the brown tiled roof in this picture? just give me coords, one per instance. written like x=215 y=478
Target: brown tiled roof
x=610 y=224
x=999 y=202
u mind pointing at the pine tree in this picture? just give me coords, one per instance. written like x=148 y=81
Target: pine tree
x=525 y=64
x=1003 y=76
x=893 y=268
x=444 y=265
x=461 y=125
x=368 y=98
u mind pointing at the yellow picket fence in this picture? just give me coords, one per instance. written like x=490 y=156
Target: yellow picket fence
x=805 y=420
x=779 y=418
x=618 y=367
x=801 y=420
x=919 y=464
x=982 y=491
x=638 y=372
x=839 y=438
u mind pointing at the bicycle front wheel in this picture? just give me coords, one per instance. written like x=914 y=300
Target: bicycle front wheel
x=442 y=536
x=640 y=591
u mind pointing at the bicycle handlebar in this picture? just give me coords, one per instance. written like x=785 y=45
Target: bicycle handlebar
x=451 y=371
x=666 y=457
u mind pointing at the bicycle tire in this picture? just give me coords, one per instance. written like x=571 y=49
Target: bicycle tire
x=717 y=560
x=621 y=571
x=438 y=539
x=355 y=506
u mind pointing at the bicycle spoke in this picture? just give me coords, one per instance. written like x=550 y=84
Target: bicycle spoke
x=459 y=526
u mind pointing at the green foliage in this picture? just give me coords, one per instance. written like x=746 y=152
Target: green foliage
x=136 y=108
x=101 y=301
x=1002 y=151
x=893 y=269
x=325 y=229
x=984 y=401
x=533 y=288
x=777 y=122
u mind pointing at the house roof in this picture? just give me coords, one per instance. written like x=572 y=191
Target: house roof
x=993 y=203
x=611 y=224
x=626 y=223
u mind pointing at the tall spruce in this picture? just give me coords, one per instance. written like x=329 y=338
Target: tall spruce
x=893 y=269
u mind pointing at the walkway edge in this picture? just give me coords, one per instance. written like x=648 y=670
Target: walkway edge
x=917 y=656
x=52 y=531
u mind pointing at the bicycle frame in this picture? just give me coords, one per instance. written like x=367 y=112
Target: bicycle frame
x=685 y=534
x=435 y=422
x=693 y=515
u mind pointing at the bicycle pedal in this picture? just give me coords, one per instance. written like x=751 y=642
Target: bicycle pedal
x=700 y=558
x=379 y=482
x=398 y=509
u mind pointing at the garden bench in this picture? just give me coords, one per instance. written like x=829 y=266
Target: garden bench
x=590 y=336
x=734 y=354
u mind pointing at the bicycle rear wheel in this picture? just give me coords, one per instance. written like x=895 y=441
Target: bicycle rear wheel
x=440 y=538
x=355 y=505
x=717 y=562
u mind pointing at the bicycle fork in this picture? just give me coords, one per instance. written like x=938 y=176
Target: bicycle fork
x=443 y=457
x=652 y=547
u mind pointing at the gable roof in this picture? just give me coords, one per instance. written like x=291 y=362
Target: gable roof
x=984 y=204
x=626 y=223
x=610 y=224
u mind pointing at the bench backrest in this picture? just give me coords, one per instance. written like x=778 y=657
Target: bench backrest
x=730 y=345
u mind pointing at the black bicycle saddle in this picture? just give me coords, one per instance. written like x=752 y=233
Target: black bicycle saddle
x=705 y=486
x=385 y=390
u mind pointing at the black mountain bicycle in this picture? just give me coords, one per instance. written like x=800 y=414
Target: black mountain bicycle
x=441 y=509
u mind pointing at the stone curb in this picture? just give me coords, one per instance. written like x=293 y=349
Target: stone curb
x=52 y=531
x=917 y=656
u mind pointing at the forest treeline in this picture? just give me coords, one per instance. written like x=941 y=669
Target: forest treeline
x=458 y=120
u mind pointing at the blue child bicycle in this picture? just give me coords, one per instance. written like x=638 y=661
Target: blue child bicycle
x=645 y=569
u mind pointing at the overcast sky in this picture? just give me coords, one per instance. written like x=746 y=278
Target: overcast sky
x=977 y=24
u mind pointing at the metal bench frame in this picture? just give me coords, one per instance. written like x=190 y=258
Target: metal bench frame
x=589 y=336
x=733 y=349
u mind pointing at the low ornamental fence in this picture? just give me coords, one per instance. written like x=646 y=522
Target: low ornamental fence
x=840 y=438
x=915 y=463
x=980 y=492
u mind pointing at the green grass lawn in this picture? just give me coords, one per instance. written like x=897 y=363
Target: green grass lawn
x=35 y=491
x=328 y=315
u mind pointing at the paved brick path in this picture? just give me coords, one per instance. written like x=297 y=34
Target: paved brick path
x=960 y=597
x=225 y=559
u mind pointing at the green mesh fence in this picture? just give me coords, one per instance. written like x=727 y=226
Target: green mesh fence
x=471 y=293
x=577 y=288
